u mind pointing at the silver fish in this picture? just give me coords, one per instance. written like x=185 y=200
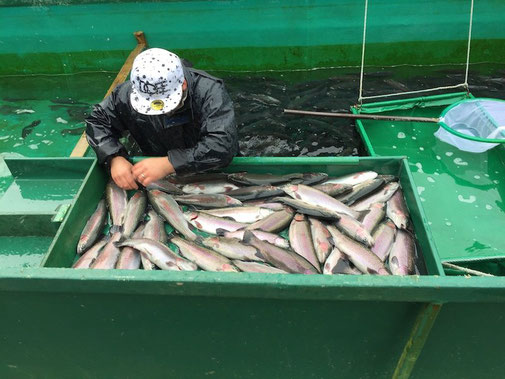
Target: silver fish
x=167 y=207
x=205 y=258
x=374 y=216
x=109 y=255
x=284 y=259
x=309 y=209
x=381 y=196
x=337 y=263
x=245 y=214
x=401 y=256
x=257 y=267
x=212 y=187
x=311 y=178
x=321 y=239
x=264 y=203
x=232 y=248
x=251 y=179
x=362 y=190
x=159 y=254
x=313 y=196
x=129 y=259
x=276 y=222
x=166 y=186
x=93 y=228
x=264 y=236
x=255 y=192
x=354 y=229
x=155 y=228
x=334 y=189
x=366 y=261
x=89 y=257
x=300 y=239
x=215 y=200
x=134 y=213
x=209 y=223
x=116 y=202
x=383 y=237
x=397 y=210
x=354 y=178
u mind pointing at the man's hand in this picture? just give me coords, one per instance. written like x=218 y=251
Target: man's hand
x=151 y=169
x=121 y=173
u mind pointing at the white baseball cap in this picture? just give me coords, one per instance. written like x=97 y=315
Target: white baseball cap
x=157 y=79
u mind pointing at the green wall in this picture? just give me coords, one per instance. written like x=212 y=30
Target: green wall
x=246 y=34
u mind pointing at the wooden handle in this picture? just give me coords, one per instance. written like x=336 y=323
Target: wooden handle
x=362 y=116
x=82 y=145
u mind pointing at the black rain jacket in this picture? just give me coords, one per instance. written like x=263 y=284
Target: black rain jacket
x=200 y=136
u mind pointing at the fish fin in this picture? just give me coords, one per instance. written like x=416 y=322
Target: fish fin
x=198 y=240
x=115 y=229
x=248 y=236
x=221 y=232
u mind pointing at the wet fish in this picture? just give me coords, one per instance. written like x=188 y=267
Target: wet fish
x=165 y=186
x=321 y=238
x=155 y=227
x=209 y=223
x=374 y=216
x=208 y=200
x=309 y=209
x=117 y=201
x=383 y=237
x=257 y=267
x=251 y=179
x=318 y=198
x=93 y=227
x=129 y=259
x=380 y=196
x=244 y=214
x=265 y=203
x=89 y=257
x=354 y=229
x=311 y=178
x=209 y=187
x=232 y=248
x=272 y=238
x=281 y=258
x=401 y=256
x=354 y=178
x=334 y=189
x=275 y=222
x=165 y=205
x=198 y=178
x=109 y=255
x=337 y=263
x=205 y=258
x=255 y=192
x=28 y=129
x=159 y=254
x=300 y=239
x=397 y=210
x=362 y=190
x=363 y=258
x=134 y=213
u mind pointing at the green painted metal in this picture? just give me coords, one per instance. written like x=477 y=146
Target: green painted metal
x=422 y=327
x=460 y=192
x=247 y=34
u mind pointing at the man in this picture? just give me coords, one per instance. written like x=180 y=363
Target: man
x=180 y=116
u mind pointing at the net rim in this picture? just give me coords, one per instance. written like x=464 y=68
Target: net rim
x=466 y=136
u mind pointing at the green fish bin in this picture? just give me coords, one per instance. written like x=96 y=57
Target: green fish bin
x=63 y=322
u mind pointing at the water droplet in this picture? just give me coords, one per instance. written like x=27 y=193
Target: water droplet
x=471 y=199
x=421 y=148
x=488 y=207
x=420 y=190
x=430 y=179
x=449 y=153
x=394 y=146
x=414 y=137
x=419 y=167
x=460 y=162
x=448 y=223
x=401 y=135
x=438 y=157
x=477 y=176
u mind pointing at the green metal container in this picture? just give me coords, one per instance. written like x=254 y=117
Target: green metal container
x=63 y=322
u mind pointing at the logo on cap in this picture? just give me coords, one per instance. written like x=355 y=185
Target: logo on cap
x=157 y=105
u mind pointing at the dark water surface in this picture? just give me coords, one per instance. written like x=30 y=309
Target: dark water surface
x=43 y=115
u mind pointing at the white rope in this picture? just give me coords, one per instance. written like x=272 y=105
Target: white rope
x=363 y=54
x=469 y=43
x=464 y=85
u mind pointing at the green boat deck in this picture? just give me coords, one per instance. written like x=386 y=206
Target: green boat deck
x=462 y=193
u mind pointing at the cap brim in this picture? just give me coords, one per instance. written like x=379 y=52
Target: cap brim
x=143 y=104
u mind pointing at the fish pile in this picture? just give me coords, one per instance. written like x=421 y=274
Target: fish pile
x=306 y=223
